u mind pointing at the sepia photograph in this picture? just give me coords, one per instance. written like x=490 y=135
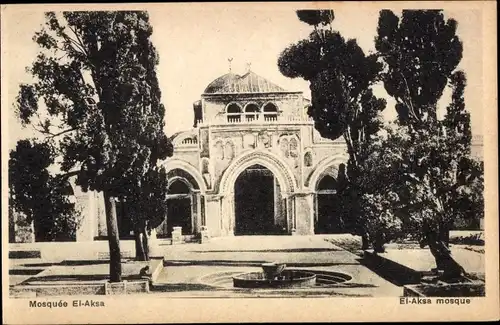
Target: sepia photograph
x=255 y=162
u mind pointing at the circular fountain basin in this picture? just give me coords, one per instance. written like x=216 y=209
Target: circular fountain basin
x=286 y=279
x=225 y=279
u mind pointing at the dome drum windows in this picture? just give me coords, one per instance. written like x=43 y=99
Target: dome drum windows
x=233 y=112
x=270 y=112
x=252 y=112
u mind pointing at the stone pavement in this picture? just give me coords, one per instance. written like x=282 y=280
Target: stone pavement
x=421 y=260
x=187 y=265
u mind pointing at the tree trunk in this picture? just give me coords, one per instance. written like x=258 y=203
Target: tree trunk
x=145 y=242
x=378 y=243
x=115 y=266
x=365 y=242
x=444 y=261
x=444 y=233
x=141 y=242
x=140 y=253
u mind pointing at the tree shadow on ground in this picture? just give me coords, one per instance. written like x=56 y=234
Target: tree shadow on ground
x=391 y=272
x=25 y=271
x=39 y=264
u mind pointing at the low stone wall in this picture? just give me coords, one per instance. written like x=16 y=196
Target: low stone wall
x=156 y=265
x=101 y=288
x=90 y=288
x=474 y=289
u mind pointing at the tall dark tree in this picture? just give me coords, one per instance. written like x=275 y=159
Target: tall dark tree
x=147 y=205
x=341 y=76
x=438 y=177
x=420 y=53
x=96 y=76
x=39 y=196
x=462 y=175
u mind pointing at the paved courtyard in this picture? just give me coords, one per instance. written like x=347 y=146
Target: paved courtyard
x=189 y=268
x=193 y=269
x=206 y=270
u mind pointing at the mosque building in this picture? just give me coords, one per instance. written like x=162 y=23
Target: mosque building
x=253 y=164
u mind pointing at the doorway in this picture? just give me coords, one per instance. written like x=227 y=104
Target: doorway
x=179 y=208
x=328 y=213
x=254 y=202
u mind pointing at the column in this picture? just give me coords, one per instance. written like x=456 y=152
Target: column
x=230 y=213
x=84 y=205
x=279 y=216
x=304 y=213
x=197 y=220
x=227 y=213
x=213 y=215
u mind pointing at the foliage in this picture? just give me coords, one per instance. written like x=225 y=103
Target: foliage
x=316 y=17
x=147 y=205
x=471 y=239
x=343 y=103
x=39 y=196
x=148 y=202
x=441 y=181
x=107 y=56
x=96 y=77
x=420 y=51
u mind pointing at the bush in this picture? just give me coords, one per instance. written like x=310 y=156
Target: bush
x=381 y=224
x=472 y=239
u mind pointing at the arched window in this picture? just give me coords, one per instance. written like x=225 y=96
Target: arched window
x=327 y=183
x=178 y=187
x=251 y=112
x=233 y=113
x=270 y=112
x=308 y=159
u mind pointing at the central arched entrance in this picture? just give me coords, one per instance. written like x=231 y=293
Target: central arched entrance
x=256 y=202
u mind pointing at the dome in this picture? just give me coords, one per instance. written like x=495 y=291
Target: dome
x=250 y=82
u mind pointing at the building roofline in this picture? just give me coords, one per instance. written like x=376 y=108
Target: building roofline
x=251 y=93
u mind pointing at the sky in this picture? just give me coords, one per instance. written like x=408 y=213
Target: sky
x=195 y=42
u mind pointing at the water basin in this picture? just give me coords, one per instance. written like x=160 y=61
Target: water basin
x=323 y=279
x=285 y=279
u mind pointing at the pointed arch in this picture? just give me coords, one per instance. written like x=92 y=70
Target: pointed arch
x=320 y=170
x=171 y=164
x=279 y=168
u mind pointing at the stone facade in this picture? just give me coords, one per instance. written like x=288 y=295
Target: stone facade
x=237 y=130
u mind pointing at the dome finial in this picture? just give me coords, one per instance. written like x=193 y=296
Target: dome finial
x=249 y=66
x=230 y=60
